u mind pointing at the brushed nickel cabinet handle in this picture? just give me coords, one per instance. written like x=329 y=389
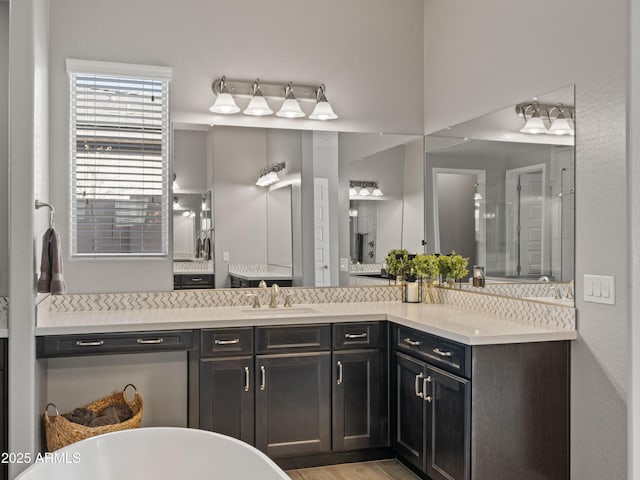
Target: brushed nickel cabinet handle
x=226 y=342
x=246 y=379
x=427 y=379
x=442 y=353
x=339 y=373
x=417 y=386
x=95 y=343
x=150 y=341
x=196 y=279
x=413 y=343
x=263 y=378
x=355 y=335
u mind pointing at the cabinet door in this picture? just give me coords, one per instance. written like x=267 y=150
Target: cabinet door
x=359 y=400
x=227 y=397
x=448 y=425
x=293 y=403
x=410 y=410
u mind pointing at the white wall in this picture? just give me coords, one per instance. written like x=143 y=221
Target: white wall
x=476 y=61
x=190 y=160
x=413 y=209
x=4 y=149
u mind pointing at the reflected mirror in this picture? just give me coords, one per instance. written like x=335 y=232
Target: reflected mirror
x=504 y=197
x=296 y=231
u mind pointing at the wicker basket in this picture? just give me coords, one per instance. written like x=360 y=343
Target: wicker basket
x=60 y=432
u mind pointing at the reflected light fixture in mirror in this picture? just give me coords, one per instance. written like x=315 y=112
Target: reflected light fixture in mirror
x=561 y=125
x=559 y=117
x=359 y=189
x=269 y=175
x=534 y=124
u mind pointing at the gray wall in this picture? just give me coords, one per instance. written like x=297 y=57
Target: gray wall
x=4 y=149
x=413 y=209
x=190 y=160
x=597 y=65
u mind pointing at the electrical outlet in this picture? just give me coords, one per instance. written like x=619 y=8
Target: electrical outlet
x=344 y=264
x=599 y=289
x=225 y=256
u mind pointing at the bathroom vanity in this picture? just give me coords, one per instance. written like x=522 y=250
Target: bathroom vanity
x=443 y=388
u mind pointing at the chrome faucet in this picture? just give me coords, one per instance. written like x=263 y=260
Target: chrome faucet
x=255 y=299
x=274 y=295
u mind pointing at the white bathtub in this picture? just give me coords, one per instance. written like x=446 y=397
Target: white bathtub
x=156 y=454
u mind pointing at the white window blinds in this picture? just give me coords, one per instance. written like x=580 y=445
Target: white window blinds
x=119 y=152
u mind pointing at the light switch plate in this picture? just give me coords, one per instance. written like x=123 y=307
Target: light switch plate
x=599 y=289
x=225 y=256
x=344 y=264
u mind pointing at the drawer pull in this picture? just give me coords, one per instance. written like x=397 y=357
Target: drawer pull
x=355 y=335
x=442 y=353
x=150 y=341
x=417 y=386
x=196 y=279
x=413 y=343
x=226 y=342
x=339 y=373
x=246 y=379
x=95 y=343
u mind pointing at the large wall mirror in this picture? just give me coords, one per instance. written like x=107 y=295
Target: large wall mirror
x=501 y=192
x=304 y=228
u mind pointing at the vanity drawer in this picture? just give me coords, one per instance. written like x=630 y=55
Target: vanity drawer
x=447 y=354
x=112 y=343
x=293 y=338
x=226 y=341
x=356 y=335
x=188 y=281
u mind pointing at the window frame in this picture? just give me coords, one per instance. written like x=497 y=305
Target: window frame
x=126 y=71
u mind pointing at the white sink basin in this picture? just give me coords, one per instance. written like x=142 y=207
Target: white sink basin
x=279 y=311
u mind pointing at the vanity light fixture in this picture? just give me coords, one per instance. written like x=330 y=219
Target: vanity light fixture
x=536 y=116
x=175 y=185
x=224 y=103
x=258 y=105
x=204 y=203
x=260 y=94
x=322 y=110
x=476 y=195
x=176 y=204
x=269 y=175
x=290 y=107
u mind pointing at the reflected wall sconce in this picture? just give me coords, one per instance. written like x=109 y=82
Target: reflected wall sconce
x=175 y=185
x=176 y=204
x=360 y=189
x=260 y=94
x=269 y=175
x=560 y=118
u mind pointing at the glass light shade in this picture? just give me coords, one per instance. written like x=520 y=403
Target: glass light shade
x=323 y=111
x=175 y=185
x=376 y=192
x=268 y=179
x=364 y=192
x=352 y=192
x=258 y=106
x=477 y=196
x=534 y=125
x=186 y=213
x=176 y=204
x=353 y=212
x=561 y=126
x=224 y=104
x=290 y=109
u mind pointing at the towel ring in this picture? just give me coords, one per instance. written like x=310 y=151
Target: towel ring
x=52 y=211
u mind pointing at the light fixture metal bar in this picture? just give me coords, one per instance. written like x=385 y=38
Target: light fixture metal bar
x=548 y=109
x=244 y=89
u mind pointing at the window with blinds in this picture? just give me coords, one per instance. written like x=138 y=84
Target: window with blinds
x=119 y=152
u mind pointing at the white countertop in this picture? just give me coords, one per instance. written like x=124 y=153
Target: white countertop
x=261 y=275
x=455 y=324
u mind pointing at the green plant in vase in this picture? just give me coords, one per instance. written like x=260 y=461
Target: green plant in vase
x=397 y=263
x=459 y=266
x=427 y=269
x=444 y=268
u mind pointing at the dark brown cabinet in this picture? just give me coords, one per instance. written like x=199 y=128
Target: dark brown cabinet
x=431 y=415
x=454 y=406
x=360 y=386
x=227 y=397
x=293 y=403
x=226 y=382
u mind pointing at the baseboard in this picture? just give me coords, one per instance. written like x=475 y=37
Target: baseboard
x=333 y=458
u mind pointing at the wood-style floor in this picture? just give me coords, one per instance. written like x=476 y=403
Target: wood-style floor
x=378 y=470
